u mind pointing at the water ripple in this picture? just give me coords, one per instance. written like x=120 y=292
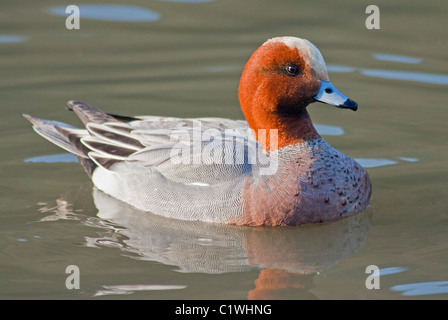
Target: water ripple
x=433 y=78
x=422 y=288
x=110 y=12
x=395 y=58
x=130 y=289
x=407 y=76
x=408 y=159
x=336 y=68
x=54 y=158
x=8 y=38
x=373 y=163
x=391 y=270
x=327 y=130
x=187 y=1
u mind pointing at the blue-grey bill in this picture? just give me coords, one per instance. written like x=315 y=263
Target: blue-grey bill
x=332 y=96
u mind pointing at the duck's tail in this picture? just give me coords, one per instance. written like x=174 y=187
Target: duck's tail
x=69 y=137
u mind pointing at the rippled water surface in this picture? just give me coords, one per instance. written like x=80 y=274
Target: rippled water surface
x=184 y=58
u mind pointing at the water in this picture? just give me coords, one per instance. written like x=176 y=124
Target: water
x=108 y=12
x=186 y=62
x=9 y=38
x=395 y=58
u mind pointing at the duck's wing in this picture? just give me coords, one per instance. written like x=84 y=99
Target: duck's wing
x=200 y=150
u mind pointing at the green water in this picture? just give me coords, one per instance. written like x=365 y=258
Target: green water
x=187 y=64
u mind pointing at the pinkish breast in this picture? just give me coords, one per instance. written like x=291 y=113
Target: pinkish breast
x=314 y=183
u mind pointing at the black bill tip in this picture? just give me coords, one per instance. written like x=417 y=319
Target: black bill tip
x=349 y=104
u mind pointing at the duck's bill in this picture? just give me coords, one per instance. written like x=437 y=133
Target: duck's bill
x=332 y=96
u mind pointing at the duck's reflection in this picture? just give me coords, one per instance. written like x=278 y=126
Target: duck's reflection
x=287 y=257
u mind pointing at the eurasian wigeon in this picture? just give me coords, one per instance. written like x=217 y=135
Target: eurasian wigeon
x=272 y=170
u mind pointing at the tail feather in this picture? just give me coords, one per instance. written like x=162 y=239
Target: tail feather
x=88 y=165
x=99 y=144
x=58 y=133
x=88 y=113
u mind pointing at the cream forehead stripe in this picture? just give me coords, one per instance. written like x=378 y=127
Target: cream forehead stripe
x=308 y=51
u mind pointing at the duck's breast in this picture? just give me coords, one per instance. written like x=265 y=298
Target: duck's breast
x=314 y=183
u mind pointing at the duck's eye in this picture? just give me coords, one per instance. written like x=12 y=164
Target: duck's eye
x=292 y=70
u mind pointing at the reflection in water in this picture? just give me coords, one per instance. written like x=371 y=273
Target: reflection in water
x=54 y=158
x=287 y=257
x=422 y=288
x=335 y=68
x=416 y=289
x=130 y=289
x=408 y=159
x=7 y=38
x=395 y=58
x=187 y=1
x=377 y=162
x=373 y=162
x=391 y=270
x=110 y=12
x=62 y=211
x=407 y=76
x=432 y=78
x=326 y=130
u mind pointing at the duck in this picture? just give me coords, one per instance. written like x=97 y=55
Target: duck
x=271 y=169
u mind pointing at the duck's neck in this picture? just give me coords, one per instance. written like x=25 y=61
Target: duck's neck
x=292 y=128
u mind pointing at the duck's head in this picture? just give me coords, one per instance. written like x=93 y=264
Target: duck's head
x=279 y=81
